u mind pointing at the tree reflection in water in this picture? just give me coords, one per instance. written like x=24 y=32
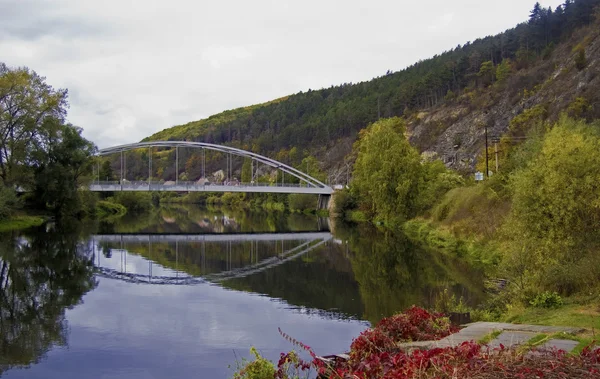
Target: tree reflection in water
x=41 y=274
x=395 y=273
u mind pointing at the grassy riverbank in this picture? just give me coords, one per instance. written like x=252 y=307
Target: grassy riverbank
x=580 y=310
x=576 y=312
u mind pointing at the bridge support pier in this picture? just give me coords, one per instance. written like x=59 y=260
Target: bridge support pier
x=323 y=202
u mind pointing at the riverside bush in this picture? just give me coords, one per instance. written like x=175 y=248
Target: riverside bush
x=134 y=201
x=301 y=202
x=259 y=368
x=547 y=299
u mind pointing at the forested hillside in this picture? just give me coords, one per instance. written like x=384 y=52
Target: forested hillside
x=550 y=60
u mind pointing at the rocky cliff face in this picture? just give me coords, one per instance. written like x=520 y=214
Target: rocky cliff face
x=455 y=131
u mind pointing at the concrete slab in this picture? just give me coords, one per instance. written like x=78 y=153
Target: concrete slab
x=524 y=327
x=566 y=345
x=511 y=339
x=513 y=334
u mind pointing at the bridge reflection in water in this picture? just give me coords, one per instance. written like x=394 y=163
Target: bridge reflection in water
x=189 y=259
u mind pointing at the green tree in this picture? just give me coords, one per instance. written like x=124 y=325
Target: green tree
x=59 y=172
x=487 y=73
x=387 y=171
x=435 y=181
x=194 y=167
x=503 y=71
x=295 y=155
x=247 y=171
x=555 y=210
x=8 y=202
x=311 y=166
x=106 y=171
x=26 y=105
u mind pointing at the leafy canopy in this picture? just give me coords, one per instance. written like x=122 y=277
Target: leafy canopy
x=387 y=171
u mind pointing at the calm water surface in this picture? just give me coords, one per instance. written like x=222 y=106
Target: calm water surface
x=183 y=292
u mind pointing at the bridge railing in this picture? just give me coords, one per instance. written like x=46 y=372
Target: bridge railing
x=144 y=184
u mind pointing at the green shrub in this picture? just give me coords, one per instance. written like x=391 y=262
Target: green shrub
x=436 y=181
x=343 y=201
x=234 y=199
x=195 y=198
x=580 y=59
x=477 y=209
x=520 y=124
x=356 y=216
x=134 y=201
x=259 y=368
x=446 y=302
x=547 y=299
x=579 y=107
x=301 y=202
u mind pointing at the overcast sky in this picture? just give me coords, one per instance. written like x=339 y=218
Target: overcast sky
x=136 y=67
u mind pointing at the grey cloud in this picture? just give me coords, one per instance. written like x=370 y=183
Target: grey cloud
x=34 y=19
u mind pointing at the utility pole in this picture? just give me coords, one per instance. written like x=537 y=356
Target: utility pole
x=487 y=170
x=496 y=153
x=149 y=166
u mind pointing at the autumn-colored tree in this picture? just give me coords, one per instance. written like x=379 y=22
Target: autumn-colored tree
x=28 y=110
x=387 y=171
x=555 y=209
x=193 y=167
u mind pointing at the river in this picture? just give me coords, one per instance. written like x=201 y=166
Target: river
x=184 y=292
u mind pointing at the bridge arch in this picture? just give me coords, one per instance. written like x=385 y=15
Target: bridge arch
x=303 y=177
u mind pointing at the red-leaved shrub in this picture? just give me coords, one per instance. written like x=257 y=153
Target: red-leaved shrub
x=416 y=324
x=375 y=354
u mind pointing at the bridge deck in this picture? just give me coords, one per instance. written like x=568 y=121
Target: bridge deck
x=193 y=187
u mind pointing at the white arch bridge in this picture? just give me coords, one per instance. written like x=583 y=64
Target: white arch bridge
x=307 y=184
